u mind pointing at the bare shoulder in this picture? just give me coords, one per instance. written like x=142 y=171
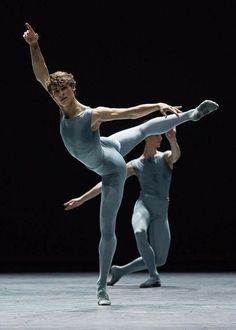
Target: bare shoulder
x=98 y=112
x=100 y=108
x=167 y=153
x=102 y=113
x=98 y=115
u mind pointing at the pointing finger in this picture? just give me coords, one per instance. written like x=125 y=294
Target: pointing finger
x=29 y=27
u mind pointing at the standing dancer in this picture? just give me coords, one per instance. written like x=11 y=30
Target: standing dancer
x=79 y=128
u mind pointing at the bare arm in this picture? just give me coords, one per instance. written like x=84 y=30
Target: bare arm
x=38 y=64
x=102 y=114
x=130 y=169
x=76 y=202
x=174 y=154
x=93 y=192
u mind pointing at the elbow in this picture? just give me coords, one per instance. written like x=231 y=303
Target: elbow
x=176 y=158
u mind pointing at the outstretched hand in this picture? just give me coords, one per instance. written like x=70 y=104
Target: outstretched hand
x=73 y=203
x=30 y=36
x=165 y=108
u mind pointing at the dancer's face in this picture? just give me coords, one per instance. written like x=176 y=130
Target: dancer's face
x=154 y=140
x=63 y=94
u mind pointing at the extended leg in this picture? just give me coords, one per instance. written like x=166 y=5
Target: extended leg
x=131 y=137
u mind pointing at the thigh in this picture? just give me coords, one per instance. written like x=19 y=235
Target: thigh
x=159 y=231
x=111 y=196
x=128 y=139
x=140 y=217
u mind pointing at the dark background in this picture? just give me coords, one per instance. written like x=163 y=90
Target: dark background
x=121 y=54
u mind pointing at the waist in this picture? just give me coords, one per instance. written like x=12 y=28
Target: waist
x=154 y=196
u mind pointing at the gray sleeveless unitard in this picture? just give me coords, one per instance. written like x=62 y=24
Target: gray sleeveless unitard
x=150 y=215
x=154 y=175
x=88 y=146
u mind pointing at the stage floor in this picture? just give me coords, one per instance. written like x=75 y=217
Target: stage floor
x=68 y=301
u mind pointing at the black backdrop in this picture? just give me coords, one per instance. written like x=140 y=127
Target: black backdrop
x=121 y=55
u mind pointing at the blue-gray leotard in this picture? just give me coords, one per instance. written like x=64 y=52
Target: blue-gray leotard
x=154 y=175
x=87 y=145
x=150 y=215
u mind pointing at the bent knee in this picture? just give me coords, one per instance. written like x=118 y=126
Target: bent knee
x=161 y=259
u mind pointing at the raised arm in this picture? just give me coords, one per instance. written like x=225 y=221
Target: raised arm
x=174 y=154
x=39 y=66
x=93 y=192
x=102 y=114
